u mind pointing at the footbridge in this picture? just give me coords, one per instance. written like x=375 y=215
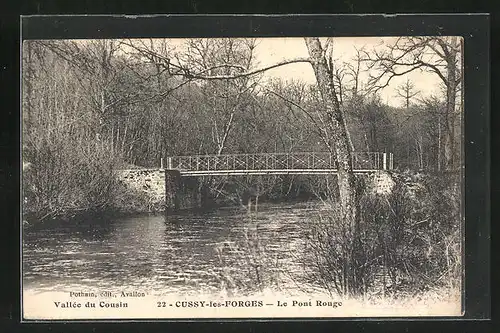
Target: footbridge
x=176 y=184
x=298 y=163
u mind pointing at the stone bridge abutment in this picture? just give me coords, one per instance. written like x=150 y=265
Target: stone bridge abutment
x=165 y=190
x=169 y=191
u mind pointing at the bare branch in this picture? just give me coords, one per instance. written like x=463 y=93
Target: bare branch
x=409 y=54
x=190 y=75
x=319 y=130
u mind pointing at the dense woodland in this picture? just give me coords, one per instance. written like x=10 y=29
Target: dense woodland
x=91 y=106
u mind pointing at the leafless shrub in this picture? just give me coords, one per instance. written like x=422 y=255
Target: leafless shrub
x=247 y=266
x=66 y=178
x=408 y=242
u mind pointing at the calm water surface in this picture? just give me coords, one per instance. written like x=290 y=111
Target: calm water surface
x=185 y=253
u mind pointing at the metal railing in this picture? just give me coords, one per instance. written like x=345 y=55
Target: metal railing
x=278 y=161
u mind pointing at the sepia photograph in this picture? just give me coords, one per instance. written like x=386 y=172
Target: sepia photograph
x=289 y=177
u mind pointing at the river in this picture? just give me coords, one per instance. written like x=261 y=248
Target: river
x=188 y=253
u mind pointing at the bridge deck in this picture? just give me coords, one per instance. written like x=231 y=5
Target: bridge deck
x=266 y=172
x=275 y=163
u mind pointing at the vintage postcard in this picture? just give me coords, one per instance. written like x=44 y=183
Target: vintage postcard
x=181 y=178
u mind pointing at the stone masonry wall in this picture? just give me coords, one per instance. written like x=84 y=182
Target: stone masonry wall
x=149 y=186
x=149 y=182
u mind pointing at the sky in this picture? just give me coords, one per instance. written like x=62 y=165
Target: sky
x=272 y=50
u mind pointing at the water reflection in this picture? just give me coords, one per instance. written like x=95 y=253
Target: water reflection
x=157 y=252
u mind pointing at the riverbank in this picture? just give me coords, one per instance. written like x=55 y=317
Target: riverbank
x=129 y=196
x=228 y=254
x=132 y=196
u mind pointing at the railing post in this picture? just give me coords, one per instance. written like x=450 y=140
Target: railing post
x=161 y=163
x=169 y=163
x=384 y=161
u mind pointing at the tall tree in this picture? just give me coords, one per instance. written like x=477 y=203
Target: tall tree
x=338 y=142
x=437 y=55
x=407 y=92
x=225 y=99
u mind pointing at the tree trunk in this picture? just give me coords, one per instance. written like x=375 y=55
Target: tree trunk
x=340 y=145
x=28 y=84
x=439 y=154
x=450 y=106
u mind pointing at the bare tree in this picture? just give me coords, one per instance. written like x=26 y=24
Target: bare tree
x=225 y=98
x=407 y=91
x=98 y=70
x=305 y=113
x=354 y=70
x=437 y=55
x=433 y=114
x=335 y=126
x=349 y=202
